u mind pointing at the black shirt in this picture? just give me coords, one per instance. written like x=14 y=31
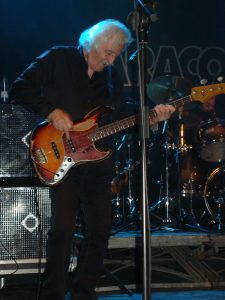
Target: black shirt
x=58 y=79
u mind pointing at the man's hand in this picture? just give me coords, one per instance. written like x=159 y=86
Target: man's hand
x=162 y=112
x=61 y=121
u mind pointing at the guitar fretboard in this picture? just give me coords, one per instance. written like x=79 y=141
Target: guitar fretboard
x=131 y=121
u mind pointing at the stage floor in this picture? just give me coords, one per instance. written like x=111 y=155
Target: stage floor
x=27 y=293
x=185 y=265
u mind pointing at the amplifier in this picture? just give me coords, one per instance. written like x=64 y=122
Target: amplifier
x=24 y=223
x=16 y=124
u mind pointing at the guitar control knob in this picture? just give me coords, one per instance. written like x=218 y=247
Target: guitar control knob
x=69 y=159
x=220 y=79
x=203 y=81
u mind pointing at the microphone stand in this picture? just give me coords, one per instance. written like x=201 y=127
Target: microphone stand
x=141 y=19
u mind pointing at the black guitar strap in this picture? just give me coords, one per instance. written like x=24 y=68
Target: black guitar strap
x=112 y=98
x=110 y=87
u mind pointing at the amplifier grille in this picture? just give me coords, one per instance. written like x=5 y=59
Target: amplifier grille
x=16 y=124
x=24 y=212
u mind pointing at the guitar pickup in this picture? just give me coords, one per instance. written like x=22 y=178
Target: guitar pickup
x=55 y=149
x=40 y=155
x=71 y=145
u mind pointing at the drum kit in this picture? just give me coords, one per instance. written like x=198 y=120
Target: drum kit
x=188 y=189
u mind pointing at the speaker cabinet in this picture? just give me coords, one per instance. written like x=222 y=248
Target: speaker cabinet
x=16 y=124
x=24 y=223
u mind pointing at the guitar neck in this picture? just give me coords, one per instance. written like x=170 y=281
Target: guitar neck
x=129 y=122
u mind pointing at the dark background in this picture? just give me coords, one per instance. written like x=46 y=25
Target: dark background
x=188 y=40
x=27 y=28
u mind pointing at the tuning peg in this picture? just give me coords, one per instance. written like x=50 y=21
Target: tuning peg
x=220 y=79
x=203 y=81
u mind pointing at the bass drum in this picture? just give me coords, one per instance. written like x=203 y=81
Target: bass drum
x=214 y=195
x=211 y=135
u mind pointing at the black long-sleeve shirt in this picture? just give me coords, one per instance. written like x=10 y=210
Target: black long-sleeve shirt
x=58 y=79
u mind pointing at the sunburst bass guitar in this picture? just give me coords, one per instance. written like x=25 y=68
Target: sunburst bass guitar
x=53 y=155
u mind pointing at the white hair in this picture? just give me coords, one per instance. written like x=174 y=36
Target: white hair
x=104 y=31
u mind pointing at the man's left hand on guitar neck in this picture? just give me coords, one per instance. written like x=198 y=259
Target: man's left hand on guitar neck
x=162 y=112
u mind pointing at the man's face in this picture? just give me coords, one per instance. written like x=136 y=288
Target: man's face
x=103 y=56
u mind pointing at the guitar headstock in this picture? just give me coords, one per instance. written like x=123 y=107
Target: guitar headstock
x=202 y=93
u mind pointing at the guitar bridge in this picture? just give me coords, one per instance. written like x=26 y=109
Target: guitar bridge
x=40 y=155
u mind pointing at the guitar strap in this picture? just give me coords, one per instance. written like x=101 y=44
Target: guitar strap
x=110 y=87
x=112 y=98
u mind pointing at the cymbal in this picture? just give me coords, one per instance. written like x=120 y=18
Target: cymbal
x=166 y=88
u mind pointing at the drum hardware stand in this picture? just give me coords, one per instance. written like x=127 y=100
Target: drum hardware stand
x=116 y=202
x=167 y=201
x=219 y=201
x=129 y=200
x=182 y=149
x=190 y=217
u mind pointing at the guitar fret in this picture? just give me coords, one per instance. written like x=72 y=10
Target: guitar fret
x=108 y=130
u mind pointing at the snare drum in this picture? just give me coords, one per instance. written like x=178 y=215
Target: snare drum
x=211 y=135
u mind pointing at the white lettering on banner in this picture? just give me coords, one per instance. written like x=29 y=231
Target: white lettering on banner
x=166 y=58
x=207 y=60
x=191 y=61
x=188 y=57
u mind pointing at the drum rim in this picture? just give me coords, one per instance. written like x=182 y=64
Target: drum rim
x=210 y=120
x=216 y=171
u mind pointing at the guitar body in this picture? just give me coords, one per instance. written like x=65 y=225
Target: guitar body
x=53 y=155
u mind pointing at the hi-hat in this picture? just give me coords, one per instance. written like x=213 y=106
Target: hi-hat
x=166 y=88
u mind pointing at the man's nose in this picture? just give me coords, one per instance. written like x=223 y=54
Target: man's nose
x=111 y=59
